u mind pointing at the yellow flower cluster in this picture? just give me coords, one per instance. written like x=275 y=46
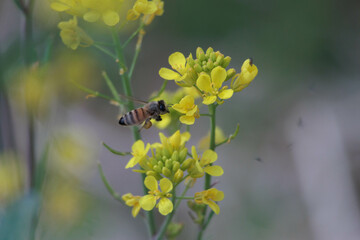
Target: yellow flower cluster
x=109 y=11
x=73 y=36
x=169 y=165
x=207 y=73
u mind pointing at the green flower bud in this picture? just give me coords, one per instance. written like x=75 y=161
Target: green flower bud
x=151 y=173
x=210 y=64
x=219 y=59
x=173 y=230
x=213 y=56
x=160 y=164
x=191 y=61
x=176 y=166
x=179 y=174
x=182 y=155
x=153 y=161
x=157 y=168
x=197 y=61
x=166 y=172
x=166 y=153
x=175 y=156
x=168 y=163
x=192 y=74
x=209 y=51
x=186 y=164
x=199 y=52
x=198 y=68
x=205 y=68
x=226 y=62
x=230 y=73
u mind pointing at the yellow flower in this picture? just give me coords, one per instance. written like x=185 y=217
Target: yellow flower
x=178 y=62
x=205 y=141
x=148 y=202
x=166 y=120
x=141 y=7
x=72 y=7
x=139 y=153
x=245 y=77
x=211 y=86
x=203 y=164
x=209 y=197
x=159 y=12
x=73 y=36
x=175 y=141
x=189 y=108
x=132 y=201
x=11 y=178
x=107 y=10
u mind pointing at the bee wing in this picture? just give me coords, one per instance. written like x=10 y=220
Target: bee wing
x=133 y=99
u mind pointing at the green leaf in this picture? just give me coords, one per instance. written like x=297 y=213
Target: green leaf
x=115 y=151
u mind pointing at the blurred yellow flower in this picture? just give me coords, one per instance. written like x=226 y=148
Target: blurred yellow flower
x=212 y=85
x=72 y=7
x=209 y=197
x=188 y=107
x=245 y=77
x=107 y=10
x=205 y=141
x=203 y=164
x=11 y=178
x=73 y=36
x=139 y=152
x=132 y=201
x=148 y=202
x=159 y=12
x=141 y=7
x=178 y=62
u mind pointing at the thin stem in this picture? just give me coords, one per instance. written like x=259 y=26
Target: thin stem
x=162 y=89
x=95 y=93
x=133 y=35
x=130 y=105
x=137 y=49
x=168 y=218
x=212 y=111
x=104 y=50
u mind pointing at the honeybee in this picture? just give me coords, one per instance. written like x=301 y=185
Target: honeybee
x=151 y=110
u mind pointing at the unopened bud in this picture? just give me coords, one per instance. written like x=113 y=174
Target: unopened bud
x=168 y=164
x=230 y=73
x=182 y=155
x=198 y=68
x=186 y=164
x=213 y=56
x=226 y=62
x=199 y=52
x=179 y=174
x=176 y=166
x=209 y=51
x=210 y=64
x=166 y=172
x=175 y=156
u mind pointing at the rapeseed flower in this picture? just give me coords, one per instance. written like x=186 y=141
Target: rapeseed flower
x=73 y=36
x=139 y=152
x=72 y=7
x=159 y=12
x=148 y=202
x=245 y=77
x=212 y=86
x=209 y=197
x=132 y=201
x=107 y=10
x=203 y=164
x=188 y=107
x=181 y=76
x=141 y=7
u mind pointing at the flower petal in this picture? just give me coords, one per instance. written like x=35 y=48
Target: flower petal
x=175 y=139
x=135 y=210
x=215 y=171
x=165 y=206
x=147 y=202
x=218 y=76
x=209 y=156
x=215 y=194
x=111 y=18
x=204 y=82
x=209 y=100
x=165 y=185
x=194 y=153
x=91 y=16
x=177 y=60
x=151 y=183
x=226 y=93
x=168 y=74
x=138 y=146
x=188 y=120
x=214 y=207
x=59 y=7
x=132 y=162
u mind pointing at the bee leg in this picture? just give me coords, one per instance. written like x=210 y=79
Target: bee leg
x=158 y=118
x=147 y=124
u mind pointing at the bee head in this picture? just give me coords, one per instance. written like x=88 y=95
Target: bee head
x=162 y=107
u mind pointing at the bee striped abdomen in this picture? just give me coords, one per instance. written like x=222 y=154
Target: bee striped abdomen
x=134 y=117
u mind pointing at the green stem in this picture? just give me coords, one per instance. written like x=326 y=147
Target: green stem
x=95 y=93
x=162 y=89
x=104 y=50
x=163 y=228
x=133 y=35
x=130 y=105
x=212 y=112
